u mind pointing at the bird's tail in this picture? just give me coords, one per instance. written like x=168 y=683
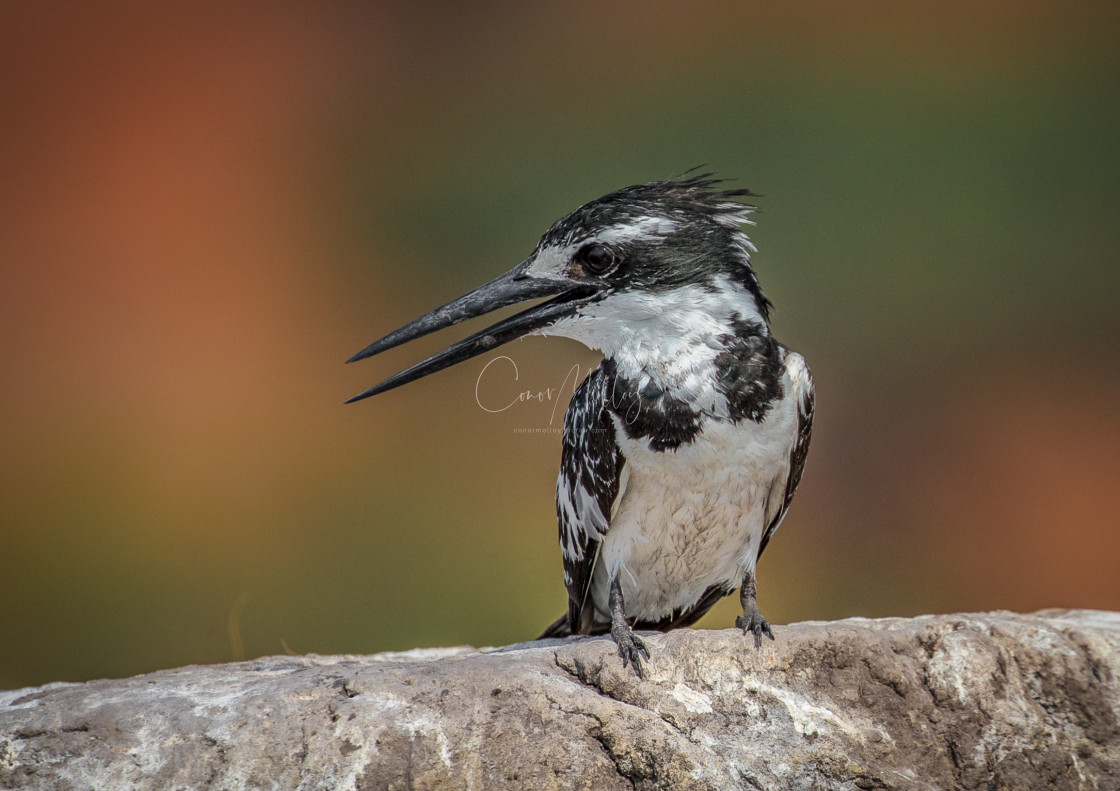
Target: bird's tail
x=559 y=628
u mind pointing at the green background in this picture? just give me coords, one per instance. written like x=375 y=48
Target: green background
x=205 y=210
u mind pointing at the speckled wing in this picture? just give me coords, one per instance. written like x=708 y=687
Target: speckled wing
x=801 y=381
x=592 y=472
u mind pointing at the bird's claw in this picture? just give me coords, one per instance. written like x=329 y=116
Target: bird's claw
x=752 y=622
x=630 y=648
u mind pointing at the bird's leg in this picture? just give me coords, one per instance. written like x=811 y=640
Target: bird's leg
x=630 y=646
x=751 y=621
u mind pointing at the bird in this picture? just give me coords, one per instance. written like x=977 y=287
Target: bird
x=682 y=450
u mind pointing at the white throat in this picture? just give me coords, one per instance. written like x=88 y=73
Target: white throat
x=669 y=338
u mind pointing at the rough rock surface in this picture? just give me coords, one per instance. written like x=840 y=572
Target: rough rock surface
x=992 y=700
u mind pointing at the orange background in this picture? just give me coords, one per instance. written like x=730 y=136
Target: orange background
x=205 y=210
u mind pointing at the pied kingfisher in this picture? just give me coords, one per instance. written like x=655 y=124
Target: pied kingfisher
x=683 y=448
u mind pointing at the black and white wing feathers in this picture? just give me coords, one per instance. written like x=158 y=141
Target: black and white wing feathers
x=590 y=482
x=802 y=382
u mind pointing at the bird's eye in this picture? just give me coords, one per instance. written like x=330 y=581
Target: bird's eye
x=596 y=258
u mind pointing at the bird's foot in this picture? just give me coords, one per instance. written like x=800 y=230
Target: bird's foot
x=752 y=622
x=630 y=647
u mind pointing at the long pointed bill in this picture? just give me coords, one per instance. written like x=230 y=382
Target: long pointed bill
x=508 y=289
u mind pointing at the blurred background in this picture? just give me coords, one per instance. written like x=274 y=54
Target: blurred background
x=204 y=210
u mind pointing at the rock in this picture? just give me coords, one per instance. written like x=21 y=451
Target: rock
x=994 y=700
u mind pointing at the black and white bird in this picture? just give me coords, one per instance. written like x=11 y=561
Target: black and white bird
x=683 y=448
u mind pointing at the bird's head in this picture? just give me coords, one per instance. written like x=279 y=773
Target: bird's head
x=666 y=253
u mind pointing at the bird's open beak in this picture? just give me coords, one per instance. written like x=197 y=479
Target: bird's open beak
x=508 y=289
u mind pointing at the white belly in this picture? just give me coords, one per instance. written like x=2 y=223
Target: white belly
x=694 y=517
